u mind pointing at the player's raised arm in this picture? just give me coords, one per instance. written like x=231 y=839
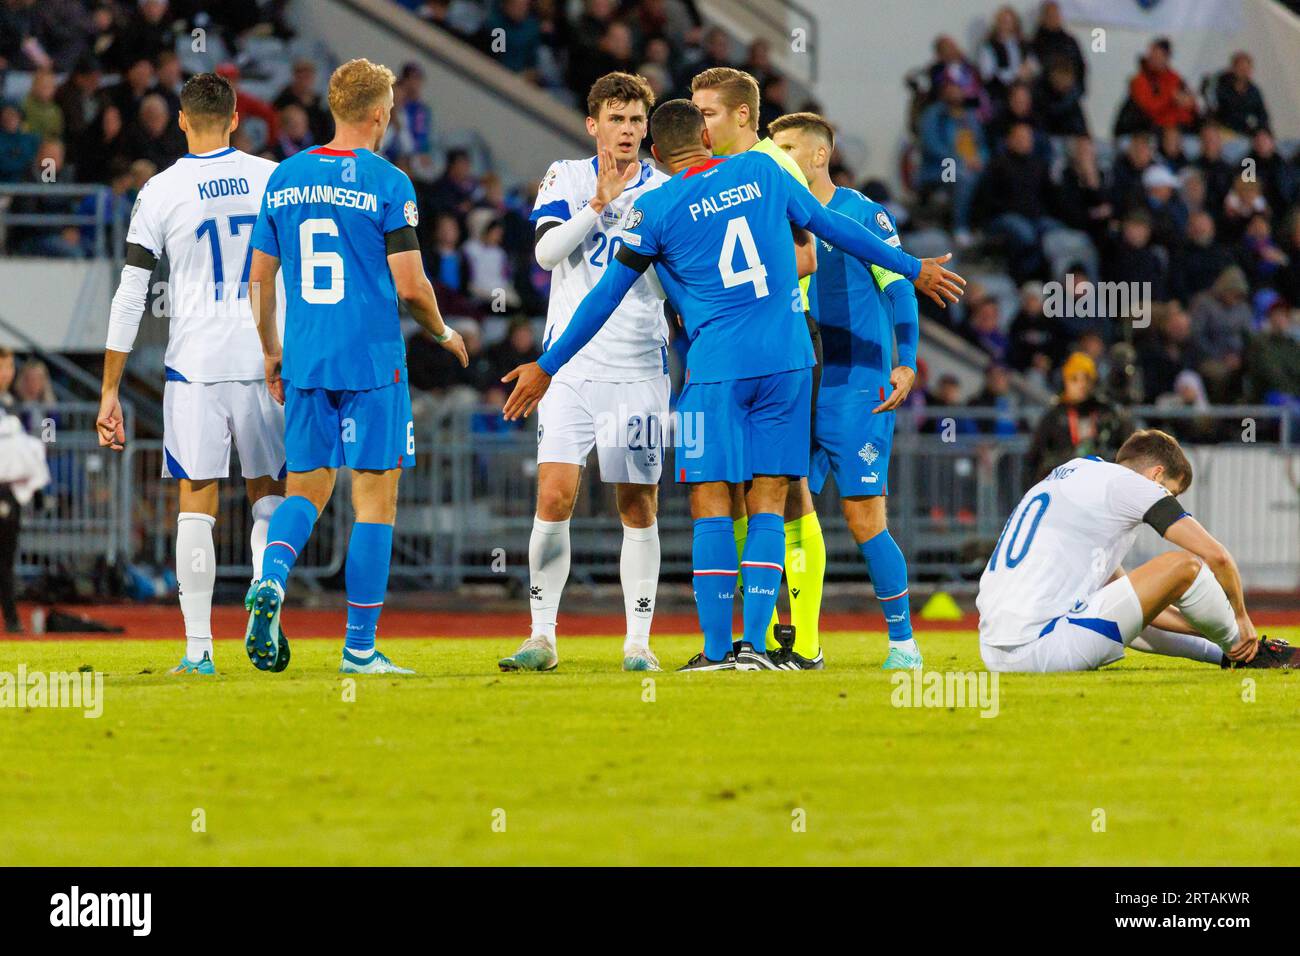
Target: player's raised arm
x=532 y=380
x=854 y=238
x=555 y=239
x=416 y=293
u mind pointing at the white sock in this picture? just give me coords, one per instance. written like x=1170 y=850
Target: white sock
x=638 y=569
x=1155 y=640
x=196 y=573
x=907 y=645
x=1207 y=609
x=263 y=508
x=548 y=570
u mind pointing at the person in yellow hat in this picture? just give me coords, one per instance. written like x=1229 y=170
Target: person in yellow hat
x=1079 y=423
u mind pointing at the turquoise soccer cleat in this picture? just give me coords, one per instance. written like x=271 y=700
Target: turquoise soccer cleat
x=901 y=660
x=250 y=595
x=204 y=667
x=376 y=663
x=264 y=641
x=641 y=660
x=534 y=654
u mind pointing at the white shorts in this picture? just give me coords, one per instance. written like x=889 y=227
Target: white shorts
x=1083 y=639
x=200 y=418
x=626 y=422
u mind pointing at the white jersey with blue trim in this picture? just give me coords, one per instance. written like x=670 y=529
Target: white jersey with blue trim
x=200 y=213
x=1062 y=543
x=632 y=345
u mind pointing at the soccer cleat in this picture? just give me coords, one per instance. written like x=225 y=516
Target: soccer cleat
x=901 y=660
x=263 y=639
x=534 y=654
x=796 y=662
x=701 y=663
x=780 y=655
x=1273 y=653
x=187 y=666
x=751 y=660
x=376 y=663
x=282 y=654
x=641 y=659
x=250 y=595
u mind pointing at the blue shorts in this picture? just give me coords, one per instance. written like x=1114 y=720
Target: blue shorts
x=854 y=445
x=370 y=430
x=731 y=431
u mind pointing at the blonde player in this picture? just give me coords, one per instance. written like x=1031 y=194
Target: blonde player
x=1053 y=596
x=614 y=395
x=200 y=213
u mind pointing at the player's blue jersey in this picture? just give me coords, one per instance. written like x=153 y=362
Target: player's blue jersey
x=326 y=215
x=720 y=237
x=855 y=318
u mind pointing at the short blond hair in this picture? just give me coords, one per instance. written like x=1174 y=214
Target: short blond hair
x=357 y=87
x=735 y=87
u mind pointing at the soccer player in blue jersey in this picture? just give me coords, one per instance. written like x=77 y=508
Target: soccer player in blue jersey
x=718 y=235
x=341 y=221
x=862 y=310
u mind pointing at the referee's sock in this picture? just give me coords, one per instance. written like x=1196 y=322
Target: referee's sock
x=370 y=550
x=740 y=529
x=290 y=528
x=761 y=564
x=805 y=568
x=714 y=558
x=888 y=570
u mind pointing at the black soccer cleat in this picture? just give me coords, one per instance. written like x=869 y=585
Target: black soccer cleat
x=796 y=662
x=701 y=663
x=1273 y=654
x=750 y=659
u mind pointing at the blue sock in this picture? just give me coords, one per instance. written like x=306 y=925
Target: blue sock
x=762 y=566
x=714 y=556
x=370 y=550
x=286 y=536
x=888 y=570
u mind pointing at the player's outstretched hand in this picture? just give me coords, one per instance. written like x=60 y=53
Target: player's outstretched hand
x=1247 y=646
x=938 y=283
x=109 y=424
x=531 y=384
x=274 y=384
x=901 y=378
x=609 y=184
x=456 y=346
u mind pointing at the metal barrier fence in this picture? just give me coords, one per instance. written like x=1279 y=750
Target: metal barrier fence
x=466 y=507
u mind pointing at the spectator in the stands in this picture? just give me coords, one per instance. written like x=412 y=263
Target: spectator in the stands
x=513 y=37
x=249 y=106
x=1058 y=100
x=51 y=33
x=44 y=118
x=615 y=51
x=1188 y=394
x=1169 y=149
x=148 y=33
x=138 y=80
x=1288 y=278
x=100 y=144
x=446 y=263
x=1159 y=93
x=1168 y=352
x=1244 y=202
x=1200 y=260
x=78 y=100
x=1273 y=359
x=1033 y=332
x=984 y=328
x=1134 y=260
x=1126 y=173
x=61 y=242
x=1221 y=318
x=1262 y=257
x=1078 y=423
x=1081 y=197
x=1013 y=194
x=1018 y=108
x=1218 y=172
x=295 y=133
x=1277 y=177
x=303 y=91
x=1005 y=56
x=415 y=120
x=953 y=155
x=996 y=394
x=455 y=190
x=1238 y=102
x=1165 y=206
x=758 y=63
x=490 y=281
x=17 y=146
x=154 y=134
x=519 y=347
x=1053 y=44
x=950 y=65
x=106 y=207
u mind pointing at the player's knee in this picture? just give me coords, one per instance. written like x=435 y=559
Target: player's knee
x=1188 y=567
x=554 y=504
x=637 y=508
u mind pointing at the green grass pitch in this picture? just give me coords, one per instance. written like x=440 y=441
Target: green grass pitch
x=1153 y=761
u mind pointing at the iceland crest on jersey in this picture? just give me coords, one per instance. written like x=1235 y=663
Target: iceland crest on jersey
x=869 y=453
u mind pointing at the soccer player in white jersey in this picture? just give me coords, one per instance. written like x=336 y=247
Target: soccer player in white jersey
x=1054 y=597
x=200 y=213
x=614 y=395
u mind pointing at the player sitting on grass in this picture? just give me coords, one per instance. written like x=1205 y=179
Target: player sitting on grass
x=1054 y=597
x=718 y=232
x=200 y=212
x=614 y=394
x=861 y=308
x=342 y=221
